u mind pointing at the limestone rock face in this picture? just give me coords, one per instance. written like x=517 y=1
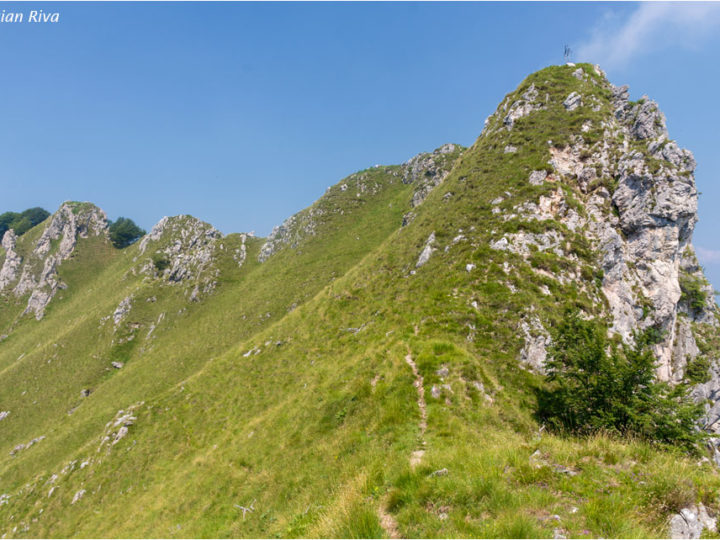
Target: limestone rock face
x=182 y=250
x=635 y=201
x=690 y=522
x=11 y=266
x=428 y=170
x=35 y=273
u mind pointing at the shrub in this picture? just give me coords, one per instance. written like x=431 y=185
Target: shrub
x=594 y=385
x=160 y=261
x=22 y=222
x=691 y=292
x=124 y=232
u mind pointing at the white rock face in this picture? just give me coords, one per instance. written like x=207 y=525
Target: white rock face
x=427 y=251
x=11 y=265
x=78 y=495
x=691 y=522
x=573 y=101
x=187 y=246
x=122 y=310
x=56 y=244
x=428 y=170
x=534 y=352
x=522 y=107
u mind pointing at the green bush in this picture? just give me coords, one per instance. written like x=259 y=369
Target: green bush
x=691 y=292
x=124 y=232
x=594 y=385
x=22 y=222
x=160 y=261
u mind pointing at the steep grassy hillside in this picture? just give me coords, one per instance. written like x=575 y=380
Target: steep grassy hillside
x=349 y=376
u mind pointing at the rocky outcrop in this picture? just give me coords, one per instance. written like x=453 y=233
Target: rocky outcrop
x=656 y=206
x=522 y=107
x=427 y=251
x=425 y=171
x=11 y=265
x=182 y=251
x=36 y=273
x=428 y=170
x=641 y=205
x=690 y=522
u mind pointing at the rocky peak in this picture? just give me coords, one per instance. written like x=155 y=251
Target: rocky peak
x=182 y=249
x=35 y=271
x=428 y=169
x=638 y=201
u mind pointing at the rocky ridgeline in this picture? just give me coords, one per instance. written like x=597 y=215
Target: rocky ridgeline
x=180 y=250
x=639 y=209
x=35 y=273
x=426 y=171
x=640 y=205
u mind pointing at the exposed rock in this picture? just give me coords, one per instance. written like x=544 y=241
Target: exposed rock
x=186 y=246
x=117 y=365
x=690 y=522
x=241 y=253
x=509 y=149
x=440 y=472
x=11 y=265
x=38 y=275
x=26 y=445
x=521 y=107
x=118 y=428
x=537 y=178
x=4 y=414
x=427 y=251
x=122 y=310
x=573 y=101
x=78 y=495
x=428 y=170
x=534 y=352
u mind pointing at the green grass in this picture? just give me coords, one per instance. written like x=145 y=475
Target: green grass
x=315 y=430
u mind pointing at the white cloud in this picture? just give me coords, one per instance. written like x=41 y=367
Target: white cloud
x=708 y=256
x=653 y=26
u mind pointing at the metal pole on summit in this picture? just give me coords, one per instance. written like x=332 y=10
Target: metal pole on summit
x=567 y=53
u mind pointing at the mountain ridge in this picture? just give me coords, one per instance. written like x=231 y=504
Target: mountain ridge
x=273 y=373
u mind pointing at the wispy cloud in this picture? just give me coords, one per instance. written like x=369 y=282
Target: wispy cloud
x=707 y=256
x=616 y=41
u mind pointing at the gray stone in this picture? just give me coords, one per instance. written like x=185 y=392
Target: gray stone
x=573 y=101
x=427 y=251
x=537 y=178
x=78 y=495
x=122 y=310
x=117 y=365
x=686 y=524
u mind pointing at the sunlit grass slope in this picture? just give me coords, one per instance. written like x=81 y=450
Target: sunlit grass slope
x=304 y=422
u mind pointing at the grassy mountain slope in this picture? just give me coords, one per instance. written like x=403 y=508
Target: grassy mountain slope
x=382 y=395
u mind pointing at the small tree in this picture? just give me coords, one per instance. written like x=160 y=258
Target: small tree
x=124 y=232
x=22 y=222
x=594 y=385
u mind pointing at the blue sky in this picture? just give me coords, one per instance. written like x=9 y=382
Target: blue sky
x=243 y=113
